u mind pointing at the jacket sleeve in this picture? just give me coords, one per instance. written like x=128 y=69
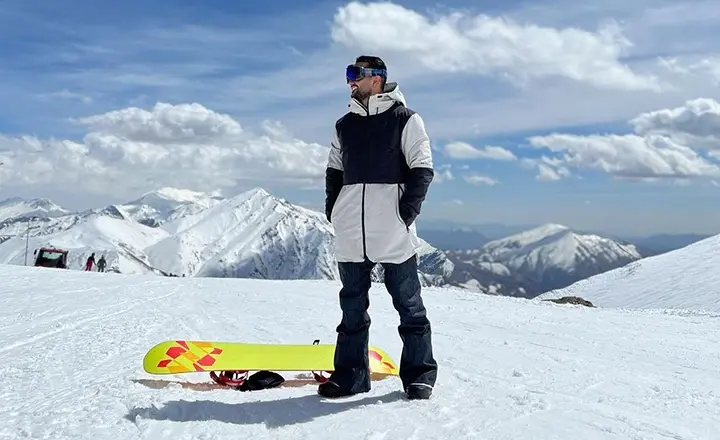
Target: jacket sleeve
x=418 y=155
x=333 y=175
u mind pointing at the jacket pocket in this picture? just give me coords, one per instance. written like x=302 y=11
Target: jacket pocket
x=337 y=203
x=400 y=192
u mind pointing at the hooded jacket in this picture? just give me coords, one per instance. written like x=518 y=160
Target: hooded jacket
x=378 y=173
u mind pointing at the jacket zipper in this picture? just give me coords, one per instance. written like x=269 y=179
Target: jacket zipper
x=367 y=110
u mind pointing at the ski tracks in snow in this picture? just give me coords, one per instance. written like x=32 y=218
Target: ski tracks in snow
x=509 y=368
x=70 y=364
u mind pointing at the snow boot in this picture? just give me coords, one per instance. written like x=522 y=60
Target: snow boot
x=419 y=391
x=331 y=390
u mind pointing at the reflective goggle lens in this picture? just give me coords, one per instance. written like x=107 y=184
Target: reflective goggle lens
x=354 y=73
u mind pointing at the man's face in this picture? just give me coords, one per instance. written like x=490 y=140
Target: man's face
x=361 y=88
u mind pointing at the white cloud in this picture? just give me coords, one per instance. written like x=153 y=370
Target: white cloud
x=443 y=173
x=486 y=45
x=547 y=173
x=65 y=94
x=704 y=68
x=463 y=150
x=630 y=156
x=185 y=145
x=165 y=123
x=477 y=179
x=667 y=144
x=696 y=123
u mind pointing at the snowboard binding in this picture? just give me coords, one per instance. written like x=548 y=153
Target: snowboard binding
x=261 y=380
x=232 y=379
x=242 y=381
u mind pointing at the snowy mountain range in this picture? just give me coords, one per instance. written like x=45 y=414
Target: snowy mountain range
x=167 y=204
x=541 y=259
x=256 y=235
x=186 y=233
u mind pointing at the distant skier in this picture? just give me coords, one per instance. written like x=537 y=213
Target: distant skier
x=101 y=264
x=372 y=205
x=89 y=263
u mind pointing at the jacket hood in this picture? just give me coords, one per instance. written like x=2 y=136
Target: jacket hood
x=380 y=102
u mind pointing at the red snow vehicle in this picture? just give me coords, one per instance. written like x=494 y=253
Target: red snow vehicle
x=51 y=257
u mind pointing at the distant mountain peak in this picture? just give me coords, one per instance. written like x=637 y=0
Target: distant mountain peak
x=179 y=195
x=17 y=207
x=159 y=206
x=545 y=257
x=183 y=195
x=11 y=201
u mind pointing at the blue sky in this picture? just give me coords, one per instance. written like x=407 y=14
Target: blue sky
x=605 y=102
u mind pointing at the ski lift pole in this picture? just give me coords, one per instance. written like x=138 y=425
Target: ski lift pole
x=27 y=238
x=27 y=241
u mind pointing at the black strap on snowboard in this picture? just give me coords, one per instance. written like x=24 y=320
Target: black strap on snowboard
x=262 y=380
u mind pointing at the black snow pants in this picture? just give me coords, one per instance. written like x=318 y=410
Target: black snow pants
x=417 y=364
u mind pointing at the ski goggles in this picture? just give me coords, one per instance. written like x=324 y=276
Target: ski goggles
x=355 y=73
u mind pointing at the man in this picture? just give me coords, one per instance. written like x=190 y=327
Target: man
x=101 y=264
x=378 y=173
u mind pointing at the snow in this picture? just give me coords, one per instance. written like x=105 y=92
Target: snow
x=121 y=241
x=557 y=246
x=538 y=260
x=509 y=368
x=253 y=234
x=164 y=204
x=17 y=207
x=679 y=279
x=250 y=235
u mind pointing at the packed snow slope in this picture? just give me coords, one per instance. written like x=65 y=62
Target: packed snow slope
x=685 y=278
x=121 y=241
x=73 y=344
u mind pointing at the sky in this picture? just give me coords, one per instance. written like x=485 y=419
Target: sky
x=599 y=116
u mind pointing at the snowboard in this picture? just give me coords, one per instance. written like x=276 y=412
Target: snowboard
x=235 y=360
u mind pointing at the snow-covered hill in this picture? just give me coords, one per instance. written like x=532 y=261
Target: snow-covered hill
x=121 y=241
x=252 y=235
x=544 y=258
x=680 y=279
x=17 y=207
x=508 y=368
x=166 y=204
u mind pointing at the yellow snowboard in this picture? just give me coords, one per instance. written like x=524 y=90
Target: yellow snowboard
x=174 y=357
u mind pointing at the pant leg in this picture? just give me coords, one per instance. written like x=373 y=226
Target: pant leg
x=351 y=351
x=417 y=364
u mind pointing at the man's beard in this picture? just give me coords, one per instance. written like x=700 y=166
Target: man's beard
x=360 y=95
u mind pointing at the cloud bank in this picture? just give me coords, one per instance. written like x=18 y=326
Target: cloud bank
x=678 y=143
x=484 y=45
x=184 y=145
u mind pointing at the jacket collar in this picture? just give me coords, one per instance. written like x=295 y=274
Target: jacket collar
x=380 y=102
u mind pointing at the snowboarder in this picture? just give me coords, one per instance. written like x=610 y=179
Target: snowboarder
x=89 y=263
x=101 y=264
x=376 y=180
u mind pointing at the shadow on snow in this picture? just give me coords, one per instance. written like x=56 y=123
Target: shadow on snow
x=273 y=413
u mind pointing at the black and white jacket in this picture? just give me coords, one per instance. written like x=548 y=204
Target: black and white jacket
x=379 y=170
